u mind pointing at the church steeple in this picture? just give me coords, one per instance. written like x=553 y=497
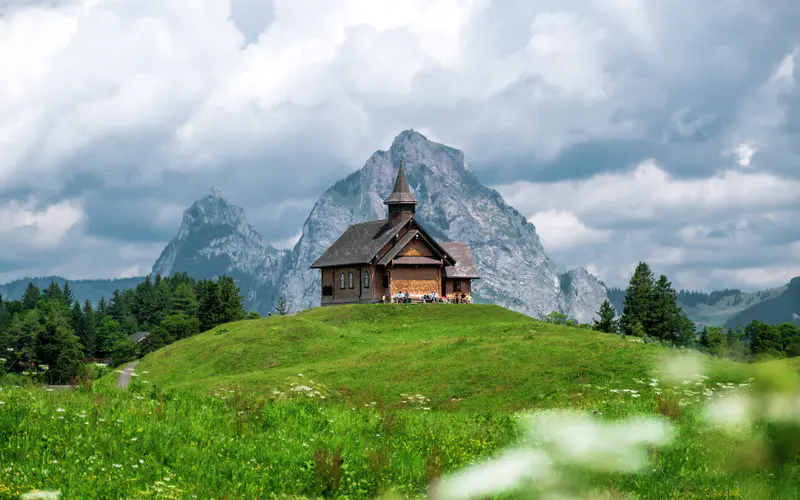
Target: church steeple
x=402 y=204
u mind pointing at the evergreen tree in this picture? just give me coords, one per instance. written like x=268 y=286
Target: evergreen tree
x=115 y=307
x=638 y=300
x=90 y=318
x=180 y=327
x=67 y=295
x=280 y=307
x=210 y=312
x=54 y=292
x=58 y=348
x=108 y=333
x=184 y=301
x=102 y=310
x=606 y=323
x=81 y=329
x=30 y=299
x=764 y=339
x=230 y=298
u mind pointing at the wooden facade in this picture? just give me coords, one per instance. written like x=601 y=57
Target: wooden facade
x=378 y=259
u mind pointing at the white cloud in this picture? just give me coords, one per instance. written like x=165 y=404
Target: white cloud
x=561 y=230
x=648 y=192
x=287 y=243
x=143 y=92
x=28 y=226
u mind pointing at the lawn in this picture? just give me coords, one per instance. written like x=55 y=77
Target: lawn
x=400 y=401
x=462 y=357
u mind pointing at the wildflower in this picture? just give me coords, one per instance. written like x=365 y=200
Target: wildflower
x=41 y=495
x=118 y=466
x=60 y=410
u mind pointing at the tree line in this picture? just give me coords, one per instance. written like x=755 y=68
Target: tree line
x=652 y=311
x=49 y=331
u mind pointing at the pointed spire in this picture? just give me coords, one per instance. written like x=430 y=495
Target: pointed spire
x=402 y=193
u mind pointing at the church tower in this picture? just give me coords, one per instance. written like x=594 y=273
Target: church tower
x=402 y=204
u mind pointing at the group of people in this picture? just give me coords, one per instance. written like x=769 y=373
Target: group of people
x=403 y=297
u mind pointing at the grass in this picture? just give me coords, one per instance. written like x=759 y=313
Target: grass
x=463 y=358
x=227 y=415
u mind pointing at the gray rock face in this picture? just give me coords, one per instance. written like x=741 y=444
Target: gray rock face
x=215 y=239
x=454 y=206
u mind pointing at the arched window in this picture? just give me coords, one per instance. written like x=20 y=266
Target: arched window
x=366 y=279
x=350 y=280
x=341 y=281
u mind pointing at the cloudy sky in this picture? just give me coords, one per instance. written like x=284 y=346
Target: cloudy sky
x=657 y=130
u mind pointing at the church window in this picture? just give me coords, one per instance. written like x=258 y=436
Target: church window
x=456 y=286
x=350 y=280
x=341 y=281
x=366 y=279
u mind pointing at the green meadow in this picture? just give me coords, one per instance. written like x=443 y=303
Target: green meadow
x=396 y=401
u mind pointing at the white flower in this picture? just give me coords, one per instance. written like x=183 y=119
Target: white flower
x=60 y=410
x=41 y=495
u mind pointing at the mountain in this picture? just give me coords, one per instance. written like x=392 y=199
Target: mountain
x=215 y=239
x=81 y=289
x=776 y=309
x=454 y=206
x=720 y=307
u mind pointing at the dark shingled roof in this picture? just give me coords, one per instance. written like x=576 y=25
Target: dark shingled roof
x=358 y=244
x=138 y=337
x=402 y=193
x=465 y=263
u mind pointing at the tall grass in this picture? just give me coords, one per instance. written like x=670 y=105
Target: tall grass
x=635 y=438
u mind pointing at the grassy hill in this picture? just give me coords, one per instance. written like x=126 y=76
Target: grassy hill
x=378 y=435
x=460 y=357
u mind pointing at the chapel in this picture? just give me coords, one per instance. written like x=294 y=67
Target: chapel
x=381 y=258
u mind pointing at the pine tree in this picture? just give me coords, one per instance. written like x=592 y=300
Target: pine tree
x=67 y=295
x=30 y=298
x=281 y=307
x=108 y=333
x=81 y=329
x=54 y=292
x=210 y=311
x=90 y=317
x=232 y=308
x=183 y=301
x=102 y=309
x=59 y=349
x=606 y=313
x=638 y=300
x=114 y=308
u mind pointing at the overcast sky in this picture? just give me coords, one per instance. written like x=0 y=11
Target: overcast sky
x=627 y=130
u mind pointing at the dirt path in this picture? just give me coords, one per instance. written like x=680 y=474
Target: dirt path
x=125 y=377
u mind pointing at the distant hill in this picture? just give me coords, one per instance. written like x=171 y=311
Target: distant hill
x=471 y=358
x=783 y=308
x=81 y=289
x=718 y=308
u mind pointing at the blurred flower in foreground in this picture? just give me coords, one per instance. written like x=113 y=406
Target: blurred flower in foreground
x=561 y=438
x=41 y=495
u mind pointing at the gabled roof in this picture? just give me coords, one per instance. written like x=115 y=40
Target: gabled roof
x=465 y=262
x=401 y=195
x=397 y=247
x=138 y=337
x=358 y=244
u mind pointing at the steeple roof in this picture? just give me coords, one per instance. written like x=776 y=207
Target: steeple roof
x=402 y=193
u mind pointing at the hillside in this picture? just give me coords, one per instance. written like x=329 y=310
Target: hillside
x=721 y=307
x=782 y=308
x=460 y=357
x=92 y=290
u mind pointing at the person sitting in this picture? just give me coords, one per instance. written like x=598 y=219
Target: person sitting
x=383 y=299
x=408 y=297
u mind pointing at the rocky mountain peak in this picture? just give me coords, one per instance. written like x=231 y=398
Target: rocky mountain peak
x=214 y=238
